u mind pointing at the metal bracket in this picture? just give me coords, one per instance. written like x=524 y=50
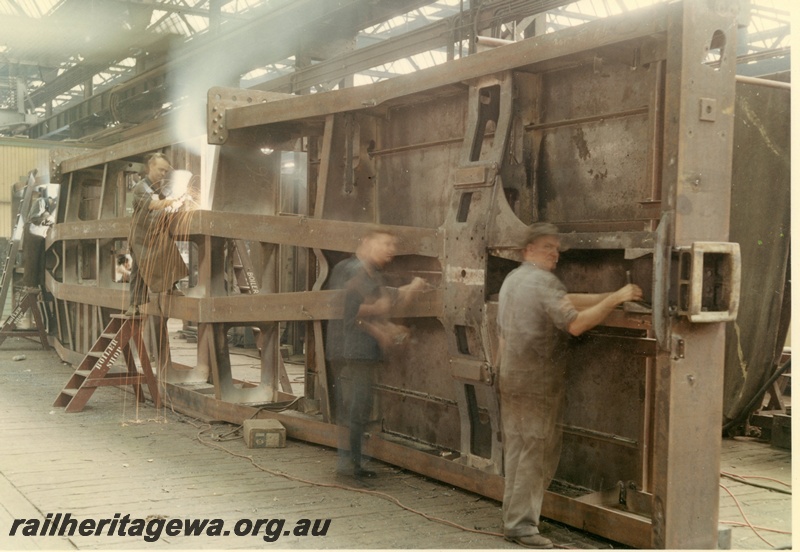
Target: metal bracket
x=479 y=176
x=709 y=281
x=221 y=98
x=708 y=109
x=471 y=370
x=634 y=500
x=678 y=347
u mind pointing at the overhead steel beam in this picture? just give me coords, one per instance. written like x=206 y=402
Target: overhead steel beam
x=84 y=71
x=577 y=41
x=182 y=8
x=270 y=37
x=433 y=36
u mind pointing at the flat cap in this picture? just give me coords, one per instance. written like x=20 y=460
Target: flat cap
x=537 y=230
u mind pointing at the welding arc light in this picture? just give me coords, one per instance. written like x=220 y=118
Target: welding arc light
x=179 y=182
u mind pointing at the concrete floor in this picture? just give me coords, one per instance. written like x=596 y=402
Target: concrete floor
x=120 y=457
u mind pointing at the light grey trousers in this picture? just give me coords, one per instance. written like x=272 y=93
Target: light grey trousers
x=531 y=450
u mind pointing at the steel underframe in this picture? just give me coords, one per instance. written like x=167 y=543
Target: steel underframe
x=672 y=453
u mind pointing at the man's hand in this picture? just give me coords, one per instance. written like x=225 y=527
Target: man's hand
x=594 y=315
x=404 y=293
x=388 y=334
x=174 y=205
x=630 y=292
x=417 y=284
x=376 y=309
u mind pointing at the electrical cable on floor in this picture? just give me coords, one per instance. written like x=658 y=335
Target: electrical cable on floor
x=378 y=494
x=784 y=483
x=338 y=486
x=272 y=407
x=278 y=407
x=760 y=528
x=743 y=479
x=741 y=511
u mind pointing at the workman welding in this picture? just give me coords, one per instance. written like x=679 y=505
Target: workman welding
x=157 y=263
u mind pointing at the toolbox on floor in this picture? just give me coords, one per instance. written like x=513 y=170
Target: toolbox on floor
x=264 y=433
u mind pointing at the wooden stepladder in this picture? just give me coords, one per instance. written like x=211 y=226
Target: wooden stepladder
x=93 y=371
x=28 y=302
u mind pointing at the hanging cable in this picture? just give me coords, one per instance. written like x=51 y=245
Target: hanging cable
x=759 y=395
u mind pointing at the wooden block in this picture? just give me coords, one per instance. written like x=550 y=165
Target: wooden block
x=264 y=434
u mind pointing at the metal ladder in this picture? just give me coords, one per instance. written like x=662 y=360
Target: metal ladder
x=28 y=302
x=93 y=371
x=16 y=239
x=243 y=269
x=247 y=284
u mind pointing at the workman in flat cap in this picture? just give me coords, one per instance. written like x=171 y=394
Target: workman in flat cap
x=535 y=317
x=157 y=264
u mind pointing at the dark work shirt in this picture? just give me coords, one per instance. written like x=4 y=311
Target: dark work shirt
x=334 y=339
x=143 y=217
x=358 y=286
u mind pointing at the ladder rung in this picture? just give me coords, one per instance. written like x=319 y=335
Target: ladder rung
x=96 y=375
